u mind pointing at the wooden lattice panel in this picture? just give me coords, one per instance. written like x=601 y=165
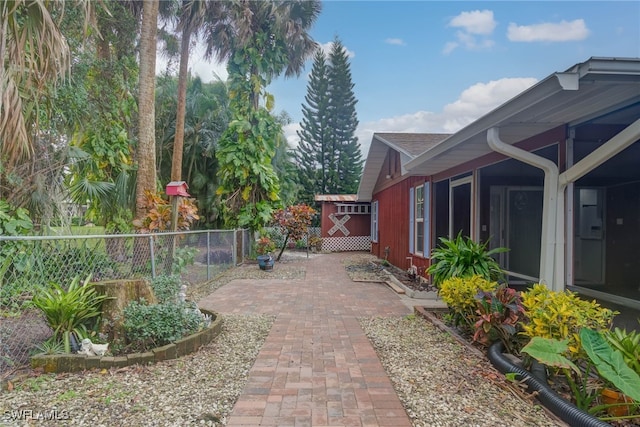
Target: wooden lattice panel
x=352 y=243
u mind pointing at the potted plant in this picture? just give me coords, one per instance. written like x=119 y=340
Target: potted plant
x=264 y=247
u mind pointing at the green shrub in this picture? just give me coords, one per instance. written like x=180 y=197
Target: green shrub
x=166 y=288
x=561 y=315
x=70 y=311
x=462 y=257
x=459 y=293
x=149 y=326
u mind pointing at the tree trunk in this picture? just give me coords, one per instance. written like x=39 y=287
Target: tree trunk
x=178 y=142
x=121 y=293
x=146 y=154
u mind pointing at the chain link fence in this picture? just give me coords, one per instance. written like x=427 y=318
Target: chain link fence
x=30 y=264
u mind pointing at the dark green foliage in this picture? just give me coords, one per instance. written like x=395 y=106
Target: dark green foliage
x=206 y=118
x=166 y=288
x=462 y=257
x=329 y=156
x=149 y=326
x=343 y=123
x=70 y=310
x=313 y=154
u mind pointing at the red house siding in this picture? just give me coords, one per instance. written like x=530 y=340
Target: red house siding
x=393 y=228
x=358 y=224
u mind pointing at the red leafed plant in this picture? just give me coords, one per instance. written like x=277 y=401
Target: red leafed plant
x=294 y=222
x=500 y=312
x=158 y=216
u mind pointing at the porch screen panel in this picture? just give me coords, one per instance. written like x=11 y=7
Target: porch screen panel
x=525 y=229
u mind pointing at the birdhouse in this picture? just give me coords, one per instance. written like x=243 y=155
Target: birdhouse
x=177 y=188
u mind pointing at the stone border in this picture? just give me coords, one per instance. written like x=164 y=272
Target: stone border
x=54 y=363
x=410 y=292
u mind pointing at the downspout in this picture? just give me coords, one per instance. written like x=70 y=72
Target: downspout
x=550 y=203
x=606 y=151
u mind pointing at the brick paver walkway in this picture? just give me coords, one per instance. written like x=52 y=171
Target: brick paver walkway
x=317 y=367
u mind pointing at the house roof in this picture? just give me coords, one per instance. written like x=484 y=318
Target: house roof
x=335 y=197
x=409 y=145
x=599 y=90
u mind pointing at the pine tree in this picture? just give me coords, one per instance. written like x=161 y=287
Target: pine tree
x=347 y=162
x=312 y=151
x=328 y=156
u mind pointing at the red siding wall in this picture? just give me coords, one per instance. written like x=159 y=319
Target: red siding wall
x=393 y=228
x=358 y=224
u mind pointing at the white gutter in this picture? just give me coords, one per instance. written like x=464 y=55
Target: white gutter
x=550 y=203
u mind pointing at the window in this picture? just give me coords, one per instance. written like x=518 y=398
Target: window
x=374 y=221
x=419 y=220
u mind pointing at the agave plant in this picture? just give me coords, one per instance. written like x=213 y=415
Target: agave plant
x=462 y=257
x=69 y=311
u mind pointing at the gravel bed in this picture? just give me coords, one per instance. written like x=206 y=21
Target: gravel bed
x=441 y=383
x=198 y=389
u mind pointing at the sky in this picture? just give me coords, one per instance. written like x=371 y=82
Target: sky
x=436 y=66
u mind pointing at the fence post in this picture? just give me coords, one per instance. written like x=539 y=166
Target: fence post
x=153 y=258
x=234 y=248
x=208 y=255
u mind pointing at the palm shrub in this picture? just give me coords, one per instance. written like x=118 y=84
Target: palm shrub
x=462 y=257
x=71 y=310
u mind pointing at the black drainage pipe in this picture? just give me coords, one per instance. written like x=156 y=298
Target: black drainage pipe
x=566 y=411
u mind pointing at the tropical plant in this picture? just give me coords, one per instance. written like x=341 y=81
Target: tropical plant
x=294 y=222
x=158 y=214
x=50 y=346
x=552 y=352
x=259 y=40
x=34 y=53
x=628 y=343
x=462 y=257
x=500 y=313
x=561 y=315
x=459 y=293
x=207 y=116
x=265 y=246
x=608 y=362
x=71 y=310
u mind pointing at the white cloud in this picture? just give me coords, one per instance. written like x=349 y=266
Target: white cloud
x=549 y=32
x=473 y=103
x=475 y=29
x=475 y=22
x=398 y=42
x=326 y=48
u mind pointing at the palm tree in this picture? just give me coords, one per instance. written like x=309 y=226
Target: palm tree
x=206 y=117
x=241 y=24
x=146 y=154
x=191 y=18
x=33 y=52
